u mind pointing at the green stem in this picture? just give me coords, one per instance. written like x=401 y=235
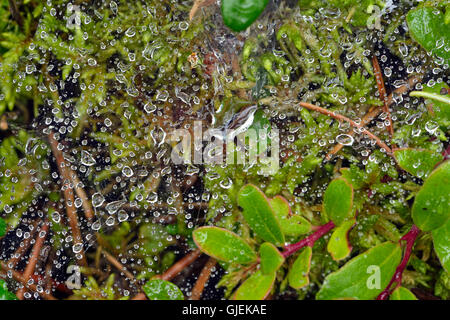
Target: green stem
x=429 y=95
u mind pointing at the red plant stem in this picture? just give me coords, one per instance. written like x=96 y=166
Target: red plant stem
x=410 y=238
x=309 y=240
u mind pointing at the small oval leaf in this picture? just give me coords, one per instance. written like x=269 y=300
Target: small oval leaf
x=271 y=258
x=363 y=277
x=298 y=274
x=418 y=162
x=401 y=293
x=441 y=243
x=431 y=208
x=338 y=200
x=223 y=245
x=339 y=246
x=162 y=290
x=256 y=287
x=259 y=214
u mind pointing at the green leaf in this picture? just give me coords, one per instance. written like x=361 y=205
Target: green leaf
x=271 y=258
x=256 y=287
x=338 y=200
x=401 y=293
x=162 y=290
x=291 y=225
x=338 y=246
x=5 y=294
x=441 y=243
x=428 y=28
x=298 y=274
x=223 y=245
x=418 y=162
x=239 y=14
x=363 y=277
x=2 y=227
x=439 y=103
x=436 y=97
x=259 y=214
x=431 y=208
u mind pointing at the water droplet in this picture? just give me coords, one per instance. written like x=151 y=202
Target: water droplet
x=131 y=31
x=97 y=199
x=96 y=226
x=87 y=159
x=56 y=217
x=112 y=207
x=183 y=25
x=110 y=221
x=345 y=139
x=122 y=215
x=77 y=247
x=431 y=126
x=127 y=171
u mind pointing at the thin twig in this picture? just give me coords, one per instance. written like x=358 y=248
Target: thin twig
x=338 y=116
x=48 y=281
x=364 y=121
x=73 y=178
x=20 y=278
x=118 y=265
x=382 y=91
x=374 y=112
x=180 y=265
x=69 y=197
x=203 y=278
x=87 y=207
x=22 y=249
x=29 y=270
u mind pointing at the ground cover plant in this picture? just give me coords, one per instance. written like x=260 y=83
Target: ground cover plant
x=116 y=118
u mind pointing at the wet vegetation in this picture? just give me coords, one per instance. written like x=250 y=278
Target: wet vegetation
x=92 y=205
